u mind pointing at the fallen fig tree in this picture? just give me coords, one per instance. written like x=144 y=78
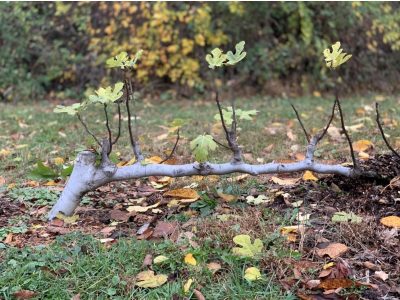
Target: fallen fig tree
x=89 y=174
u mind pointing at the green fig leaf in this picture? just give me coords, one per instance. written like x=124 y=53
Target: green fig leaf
x=201 y=146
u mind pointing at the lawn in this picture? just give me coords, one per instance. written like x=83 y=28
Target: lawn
x=99 y=254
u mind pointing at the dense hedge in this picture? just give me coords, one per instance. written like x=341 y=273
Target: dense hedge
x=60 y=46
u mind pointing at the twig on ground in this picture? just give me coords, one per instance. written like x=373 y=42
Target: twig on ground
x=378 y=117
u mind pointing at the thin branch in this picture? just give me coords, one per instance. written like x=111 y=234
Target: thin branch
x=222 y=145
x=222 y=120
x=301 y=123
x=234 y=121
x=134 y=144
x=108 y=130
x=119 y=125
x=321 y=136
x=353 y=157
x=173 y=149
x=87 y=129
x=378 y=117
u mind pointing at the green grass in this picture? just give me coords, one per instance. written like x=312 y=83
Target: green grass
x=79 y=264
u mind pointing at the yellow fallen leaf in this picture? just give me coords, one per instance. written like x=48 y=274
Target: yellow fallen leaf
x=11 y=186
x=147 y=279
x=68 y=219
x=328 y=265
x=4 y=152
x=285 y=181
x=58 y=161
x=308 y=175
x=362 y=145
x=141 y=208
x=252 y=274
x=32 y=183
x=187 y=285
x=153 y=160
x=159 y=259
x=21 y=146
x=248 y=249
x=183 y=194
x=291 y=232
x=363 y=155
x=226 y=197
x=190 y=260
x=50 y=183
x=391 y=221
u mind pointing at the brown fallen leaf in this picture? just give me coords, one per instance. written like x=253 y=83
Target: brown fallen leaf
x=213 y=267
x=119 y=215
x=24 y=294
x=333 y=250
x=198 y=295
x=362 y=145
x=381 y=275
x=285 y=181
x=9 y=238
x=106 y=231
x=164 y=229
x=335 y=283
x=2 y=181
x=183 y=194
x=76 y=297
x=391 y=221
x=227 y=197
x=148 y=260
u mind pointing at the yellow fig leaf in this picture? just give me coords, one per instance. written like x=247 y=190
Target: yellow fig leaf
x=362 y=145
x=308 y=175
x=183 y=194
x=252 y=274
x=391 y=221
x=190 y=260
x=187 y=285
x=248 y=249
x=147 y=279
x=336 y=57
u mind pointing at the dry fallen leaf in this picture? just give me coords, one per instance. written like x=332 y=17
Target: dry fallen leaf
x=252 y=274
x=362 y=145
x=381 y=275
x=24 y=294
x=391 y=221
x=190 y=260
x=147 y=279
x=187 y=285
x=335 y=283
x=2 y=181
x=226 y=197
x=141 y=208
x=333 y=250
x=183 y=194
x=285 y=181
x=213 y=267
x=308 y=175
